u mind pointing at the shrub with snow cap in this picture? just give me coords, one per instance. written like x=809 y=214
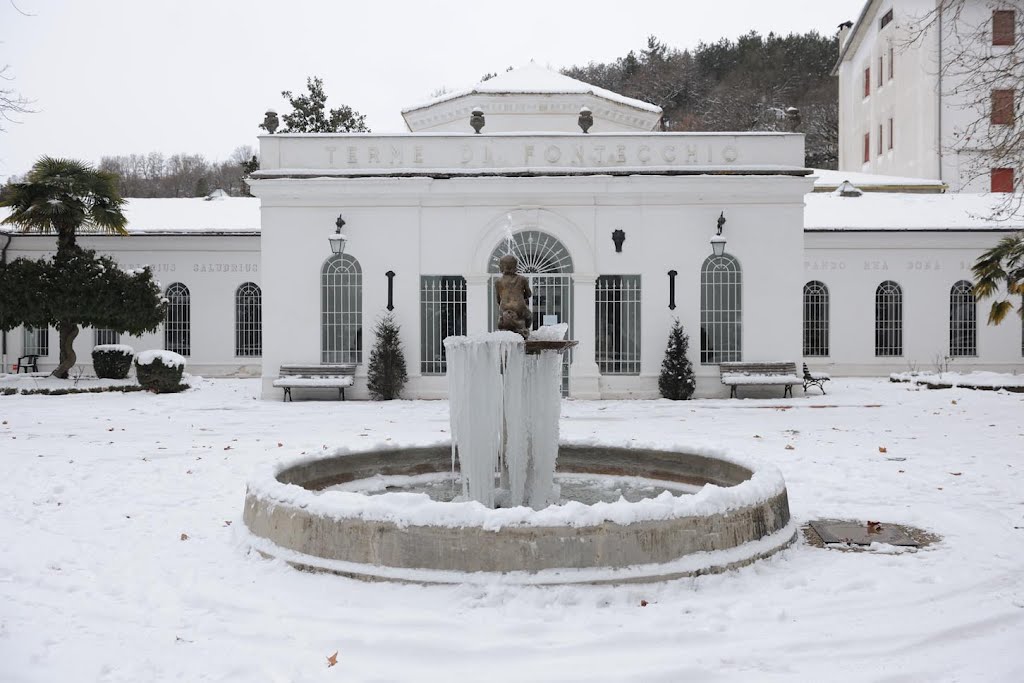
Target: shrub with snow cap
x=160 y=371
x=112 y=361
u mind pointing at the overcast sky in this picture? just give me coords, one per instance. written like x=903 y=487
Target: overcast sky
x=195 y=76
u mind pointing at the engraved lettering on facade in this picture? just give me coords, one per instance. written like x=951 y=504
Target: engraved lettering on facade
x=352 y=155
x=417 y=154
x=330 y=155
x=730 y=153
x=374 y=154
x=643 y=154
x=668 y=153
x=552 y=154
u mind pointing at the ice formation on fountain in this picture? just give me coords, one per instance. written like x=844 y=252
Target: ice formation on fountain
x=505 y=405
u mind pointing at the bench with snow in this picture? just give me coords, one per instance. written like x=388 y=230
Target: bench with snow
x=760 y=373
x=815 y=379
x=315 y=377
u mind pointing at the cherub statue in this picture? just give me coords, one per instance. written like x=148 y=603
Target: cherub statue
x=512 y=291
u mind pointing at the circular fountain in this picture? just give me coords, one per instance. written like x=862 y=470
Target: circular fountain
x=506 y=500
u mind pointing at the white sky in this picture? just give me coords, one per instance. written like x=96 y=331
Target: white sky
x=195 y=76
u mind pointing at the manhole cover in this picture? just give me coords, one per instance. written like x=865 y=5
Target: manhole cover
x=864 y=533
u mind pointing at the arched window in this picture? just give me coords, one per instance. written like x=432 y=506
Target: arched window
x=177 y=320
x=721 y=310
x=248 y=320
x=536 y=251
x=815 y=319
x=341 y=310
x=889 y=319
x=963 y=320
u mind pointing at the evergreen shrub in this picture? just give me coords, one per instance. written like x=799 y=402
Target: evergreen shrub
x=112 y=361
x=160 y=371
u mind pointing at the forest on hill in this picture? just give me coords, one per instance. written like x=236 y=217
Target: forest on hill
x=742 y=85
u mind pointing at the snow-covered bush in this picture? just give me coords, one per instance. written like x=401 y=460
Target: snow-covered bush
x=160 y=371
x=112 y=361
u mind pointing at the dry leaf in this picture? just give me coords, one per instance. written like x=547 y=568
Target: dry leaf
x=227 y=522
x=789 y=447
x=956 y=474
x=332 y=660
x=757 y=436
x=953 y=401
x=184 y=537
x=900 y=471
x=279 y=444
x=227 y=448
x=874 y=527
x=643 y=603
x=883 y=449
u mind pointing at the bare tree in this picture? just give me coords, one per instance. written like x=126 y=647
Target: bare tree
x=11 y=102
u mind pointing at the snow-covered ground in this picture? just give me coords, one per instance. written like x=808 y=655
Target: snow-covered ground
x=123 y=554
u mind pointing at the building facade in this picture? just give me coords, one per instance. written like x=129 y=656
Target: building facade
x=931 y=89
x=612 y=227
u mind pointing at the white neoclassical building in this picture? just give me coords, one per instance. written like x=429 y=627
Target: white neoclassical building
x=613 y=227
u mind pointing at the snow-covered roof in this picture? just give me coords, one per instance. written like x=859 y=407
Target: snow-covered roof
x=828 y=180
x=534 y=78
x=909 y=211
x=186 y=215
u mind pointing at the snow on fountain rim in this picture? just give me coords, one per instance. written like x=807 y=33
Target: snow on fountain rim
x=418 y=509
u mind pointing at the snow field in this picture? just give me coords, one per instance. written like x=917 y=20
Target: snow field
x=96 y=583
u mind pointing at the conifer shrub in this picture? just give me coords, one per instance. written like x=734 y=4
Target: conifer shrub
x=386 y=374
x=112 y=361
x=677 y=381
x=160 y=371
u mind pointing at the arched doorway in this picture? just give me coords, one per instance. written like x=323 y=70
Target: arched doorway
x=547 y=264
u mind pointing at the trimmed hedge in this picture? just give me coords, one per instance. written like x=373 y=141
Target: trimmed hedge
x=112 y=362
x=11 y=391
x=160 y=378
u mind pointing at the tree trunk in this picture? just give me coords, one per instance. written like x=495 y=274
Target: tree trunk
x=68 y=332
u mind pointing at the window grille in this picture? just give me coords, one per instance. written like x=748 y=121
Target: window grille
x=341 y=310
x=103 y=336
x=249 y=320
x=885 y=20
x=816 y=319
x=889 y=319
x=963 y=320
x=1004 y=27
x=177 y=320
x=617 y=324
x=1002 y=107
x=721 y=311
x=537 y=252
x=442 y=314
x=1001 y=179
x=36 y=341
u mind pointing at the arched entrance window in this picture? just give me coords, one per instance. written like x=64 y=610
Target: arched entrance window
x=889 y=319
x=341 y=310
x=547 y=264
x=178 y=320
x=816 y=318
x=721 y=310
x=248 y=320
x=963 y=320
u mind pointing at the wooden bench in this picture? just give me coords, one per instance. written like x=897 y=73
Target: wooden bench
x=760 y=373
x=315 y=377
x=815 y=379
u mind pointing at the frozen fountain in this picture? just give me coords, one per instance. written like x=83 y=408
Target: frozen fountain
x=506 y=499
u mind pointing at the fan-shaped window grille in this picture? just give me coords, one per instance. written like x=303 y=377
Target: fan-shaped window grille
x=537 y=252
x=889 y=319
x=341 y=310
x=963 y=320
x=815 y=319
x=248 y=320
x=721 y=310
x=178 y=320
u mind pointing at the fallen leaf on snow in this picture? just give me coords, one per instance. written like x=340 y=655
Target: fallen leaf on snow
x=332 y=660
x=956 y=474
x=643 y=603
x=184 y=537
x=883 y=449
x=790 y=447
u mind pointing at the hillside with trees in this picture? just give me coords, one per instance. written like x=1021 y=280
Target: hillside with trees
x=743 y=85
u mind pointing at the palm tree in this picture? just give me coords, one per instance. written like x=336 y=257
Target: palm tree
x=1002 y=265
x=65 y=196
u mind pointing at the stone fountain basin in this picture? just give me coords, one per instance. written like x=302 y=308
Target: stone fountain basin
x=740 y=514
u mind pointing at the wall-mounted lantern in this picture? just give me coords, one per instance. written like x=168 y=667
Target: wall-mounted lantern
x=718 y=240
x=337 y=238
x=618 y=236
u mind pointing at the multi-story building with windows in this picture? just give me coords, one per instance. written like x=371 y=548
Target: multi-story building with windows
x=932 y=89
